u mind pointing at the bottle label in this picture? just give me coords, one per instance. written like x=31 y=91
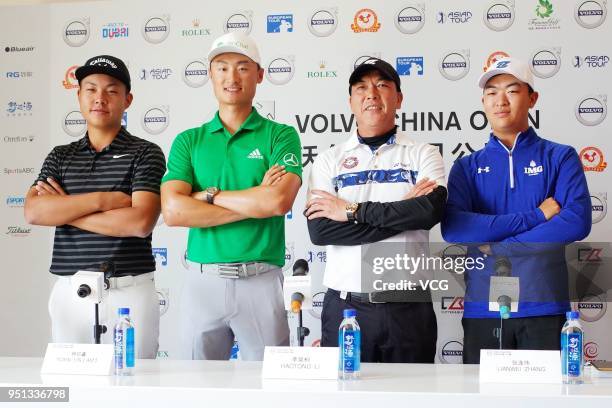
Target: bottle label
x=118 y=339
x=350 y=350
x=572 y=353
x=129 y=347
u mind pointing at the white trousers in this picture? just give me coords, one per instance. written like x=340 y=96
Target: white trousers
x=72 y=318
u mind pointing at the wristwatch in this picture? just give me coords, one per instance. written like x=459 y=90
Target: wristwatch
x=211 y=192
x=351 y=209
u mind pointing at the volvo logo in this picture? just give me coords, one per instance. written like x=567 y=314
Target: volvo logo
x=545 y=63
x=156 y=29
x=74 y=124
x=76 y=32
x=499 y=15
x=195 y=73
x=455 y=65
x=410 y=19
x=155 y=119
x=591 y=110
x=323 y=22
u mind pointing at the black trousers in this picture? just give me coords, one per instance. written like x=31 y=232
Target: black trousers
x=390 y=332
x=523 y=333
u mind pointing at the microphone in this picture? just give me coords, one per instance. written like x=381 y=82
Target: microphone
x=503 y=267
x=300 y=268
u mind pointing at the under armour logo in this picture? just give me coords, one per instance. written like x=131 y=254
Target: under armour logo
x=486 y=169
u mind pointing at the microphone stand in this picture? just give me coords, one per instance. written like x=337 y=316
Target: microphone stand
x=301 y=330
x=98 y=328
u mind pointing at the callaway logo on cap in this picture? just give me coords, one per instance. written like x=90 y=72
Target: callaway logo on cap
x=107 y=65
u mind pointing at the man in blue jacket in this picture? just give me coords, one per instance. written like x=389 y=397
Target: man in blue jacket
x=519 y=200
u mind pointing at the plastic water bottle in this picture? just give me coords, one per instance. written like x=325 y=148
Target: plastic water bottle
x=349 y=341
x=124 y=343
x=571 y=349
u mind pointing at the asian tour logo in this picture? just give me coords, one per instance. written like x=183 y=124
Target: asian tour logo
x=545 y=63
x=156 y=119
x=592 y=110
x=499 y=15
x=590 y=13
x=280 y=70
x=591 y=61
x=365 y=21
x=592 y=159
x=156 y=28
x=323 y=22
x=195 y=73
x=74 y=124
x=76 y=32
x=454 y=17
x=455 y=65
x=599 y=206
x=410 y=19
x=240 y=22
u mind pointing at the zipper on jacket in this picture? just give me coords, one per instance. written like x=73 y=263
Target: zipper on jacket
x=510 y=161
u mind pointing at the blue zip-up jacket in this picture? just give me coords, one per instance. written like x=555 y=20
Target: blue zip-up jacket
x=493 y=196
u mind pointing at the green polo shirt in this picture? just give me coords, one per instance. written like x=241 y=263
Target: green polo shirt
x=210 y=156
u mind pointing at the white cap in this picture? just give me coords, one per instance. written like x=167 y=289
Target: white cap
x=512 y=66
x=234 y=42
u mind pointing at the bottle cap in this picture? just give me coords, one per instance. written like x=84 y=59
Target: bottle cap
x=572 y=315
x=124 y=311
x=349 y=313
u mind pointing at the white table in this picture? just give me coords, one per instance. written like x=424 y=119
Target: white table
x=225 y=384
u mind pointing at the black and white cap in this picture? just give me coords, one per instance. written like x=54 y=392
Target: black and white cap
x=105 y=64
x=375 y=64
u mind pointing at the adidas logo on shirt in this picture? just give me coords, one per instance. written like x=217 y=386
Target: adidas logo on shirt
x=255 y=154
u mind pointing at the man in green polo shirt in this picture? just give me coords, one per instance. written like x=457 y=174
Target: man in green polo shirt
x=231 y=181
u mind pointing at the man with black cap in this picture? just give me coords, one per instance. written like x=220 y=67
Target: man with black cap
x=102 y=195
x=378 y=186
x=527 y=197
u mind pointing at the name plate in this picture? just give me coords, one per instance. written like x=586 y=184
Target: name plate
x=78 y=359
x=520 y=366
x=306 y=363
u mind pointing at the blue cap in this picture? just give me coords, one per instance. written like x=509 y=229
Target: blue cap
x=572 y=315
x=124 y=311
x=349 y=313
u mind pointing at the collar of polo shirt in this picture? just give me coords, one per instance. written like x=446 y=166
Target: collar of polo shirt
x=353 y=141
x=252 y=122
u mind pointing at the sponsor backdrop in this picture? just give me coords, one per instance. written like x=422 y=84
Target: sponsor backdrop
x=308 y=51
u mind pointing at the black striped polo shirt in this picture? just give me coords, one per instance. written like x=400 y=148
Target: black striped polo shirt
x=128 y=164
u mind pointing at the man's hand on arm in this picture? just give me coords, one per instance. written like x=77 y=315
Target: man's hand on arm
x=48 y=204
x=136 y=220
x=182 y=207
x=273 y=197
x=550 y=208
